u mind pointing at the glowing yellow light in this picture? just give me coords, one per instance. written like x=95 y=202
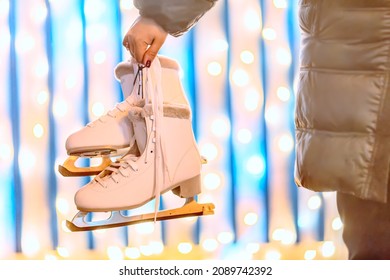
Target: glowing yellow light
x=98 y=109
x=30 y=244
x=42 y=97
x=337 y=224
x=209 y=151
x=6 y=152
x=39 y=12
x=220 y=127
x=64 y=227
x=210 y=245
x=283 y=56
x=273 y=255
x=70 y=82
x=286 y=143
x=132 y=253
x=219 y=45
x=73 y=33
x=95 y=32
x=145 y=228
x=60 y=107
x=24 y=42
x=252 y=100
x=184 y=247
x=225 y=237
x=100 y=232
x=328 y=249
x=214 y=68
x=42 y=68
x=244 y=136
x=255 y=165
x=240 y=77
x=4 y=38
x=252 y=20
x=62 y=205
x=269 y=34
x=114 y=253
x=280 y=4
x=126 y=4
x=206 y=198
x=27 y=160
x=247 y=57
x=250 y=219
x=38 y=130
x=99 y=57
x=4 y=8
x=310 y=254
x=94 y=9
x=50 y=257
x=63 y=252
x=285 y=236
x=189 y=219
x=157 y=247
x=211 y=181
x=146 y=250
x=272 y=115
x=283 y=93
x=252 y=248
x=314 y=202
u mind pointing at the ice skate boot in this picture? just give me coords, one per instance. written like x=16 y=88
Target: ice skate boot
x=111 y=135
x=168 y=161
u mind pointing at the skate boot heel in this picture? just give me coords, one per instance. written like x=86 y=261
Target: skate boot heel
x=189 y=187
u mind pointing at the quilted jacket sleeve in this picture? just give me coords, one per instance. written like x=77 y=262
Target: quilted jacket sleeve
x=175 y=16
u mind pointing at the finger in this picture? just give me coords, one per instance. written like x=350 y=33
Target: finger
x=126 y=41
x=138 y=50
x=153 y=50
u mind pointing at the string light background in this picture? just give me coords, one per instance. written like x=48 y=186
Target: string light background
x=238 y=67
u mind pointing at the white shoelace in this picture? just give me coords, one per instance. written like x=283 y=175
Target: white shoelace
x=154 y=90
x=118 y=109
x=121 y=167
x=122 y=106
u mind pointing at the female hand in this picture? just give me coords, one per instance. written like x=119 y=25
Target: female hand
x=144 y=39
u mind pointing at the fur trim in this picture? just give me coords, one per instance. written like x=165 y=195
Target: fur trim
x=139 y=111
x=123 y=68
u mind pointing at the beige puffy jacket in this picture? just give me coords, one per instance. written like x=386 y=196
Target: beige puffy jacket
x=343 y=98
x=175 y=16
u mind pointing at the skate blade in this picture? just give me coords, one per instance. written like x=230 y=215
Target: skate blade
x=190 y=209
x=69 y=169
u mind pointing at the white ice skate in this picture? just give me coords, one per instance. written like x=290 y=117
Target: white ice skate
x=168 y=160
x=112 y=134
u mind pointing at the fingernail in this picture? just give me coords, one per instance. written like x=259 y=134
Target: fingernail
x=148 y=63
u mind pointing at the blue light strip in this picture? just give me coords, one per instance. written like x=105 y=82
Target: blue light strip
x=229 y=108
x=192 y=79
x=291 y=34
x=85 y=101
x=321 y=219
x=17 y=199
x=52 y=153
x=118 y=28
x=264 y=183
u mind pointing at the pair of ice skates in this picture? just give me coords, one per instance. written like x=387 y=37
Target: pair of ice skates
x=151 y=135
